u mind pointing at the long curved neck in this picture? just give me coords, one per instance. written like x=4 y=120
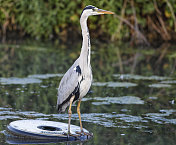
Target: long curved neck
x=86 y=48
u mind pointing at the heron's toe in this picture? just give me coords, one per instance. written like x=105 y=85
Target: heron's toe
x=82 y=133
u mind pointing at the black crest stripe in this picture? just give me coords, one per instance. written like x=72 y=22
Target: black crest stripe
x=88 y=7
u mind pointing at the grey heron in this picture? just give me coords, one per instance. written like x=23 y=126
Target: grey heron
x=77 y=80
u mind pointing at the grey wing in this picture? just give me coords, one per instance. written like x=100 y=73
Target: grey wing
x=69 y=85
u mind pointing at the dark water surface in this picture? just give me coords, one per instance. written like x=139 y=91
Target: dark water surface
x=132 y=98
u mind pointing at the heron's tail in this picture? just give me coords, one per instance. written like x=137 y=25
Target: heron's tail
x=59 y=109
x=62 y=105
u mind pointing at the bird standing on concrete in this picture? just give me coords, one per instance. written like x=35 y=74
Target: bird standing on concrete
x=77 y=80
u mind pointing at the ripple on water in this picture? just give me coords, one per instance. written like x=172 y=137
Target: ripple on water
x=45 y=76
x=169 y=82
x=4 y=112
x=21 y=81
x=153 y=98
x=31 y=114
x=164 y=112
x=122 y=120
x=114 y=84
x=139 y=77
x=31 y=79
x=9 y=117
x=106 y=119
x=159 y=85
x=11 y=114
x=115 y=100
x=4 y=109
x=160 y=118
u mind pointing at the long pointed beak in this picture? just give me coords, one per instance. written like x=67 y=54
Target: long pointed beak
x=100 y=11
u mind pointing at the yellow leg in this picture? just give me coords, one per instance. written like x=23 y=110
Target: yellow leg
x=79 y=114
x=70 y=113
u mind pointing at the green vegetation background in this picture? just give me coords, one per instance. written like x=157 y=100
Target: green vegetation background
x=138 y=20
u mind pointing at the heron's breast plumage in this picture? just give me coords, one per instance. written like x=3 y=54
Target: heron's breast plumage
x=85 y=83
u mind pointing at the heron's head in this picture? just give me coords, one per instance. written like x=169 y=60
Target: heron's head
x=92 y=10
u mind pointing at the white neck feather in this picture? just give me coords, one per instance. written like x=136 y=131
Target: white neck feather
x=86 y=48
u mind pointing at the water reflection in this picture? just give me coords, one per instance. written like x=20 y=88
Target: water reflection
x=13 y=140
x=123 y=108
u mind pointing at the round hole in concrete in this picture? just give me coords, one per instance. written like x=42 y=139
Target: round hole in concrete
x=49 y=128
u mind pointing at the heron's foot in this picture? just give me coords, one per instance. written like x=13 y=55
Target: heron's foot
x=82 y=133
x=72 y=135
